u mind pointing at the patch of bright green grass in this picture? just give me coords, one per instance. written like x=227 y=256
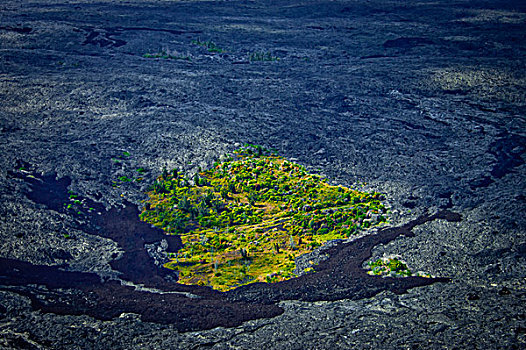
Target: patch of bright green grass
x=247 y=218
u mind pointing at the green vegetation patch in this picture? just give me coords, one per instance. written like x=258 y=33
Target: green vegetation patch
x=122 y=161
x=208 y=45
x=250 y=216
x=393 y=267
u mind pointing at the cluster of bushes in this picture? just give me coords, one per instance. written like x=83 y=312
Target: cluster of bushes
x=392 y=267
x=209 y=45
x=255 y=210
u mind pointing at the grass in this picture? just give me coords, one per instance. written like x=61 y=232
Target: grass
x=74 y=205
x=208 y=45
x=248 y=217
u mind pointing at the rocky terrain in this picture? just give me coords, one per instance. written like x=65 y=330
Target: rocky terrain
x=422 y=101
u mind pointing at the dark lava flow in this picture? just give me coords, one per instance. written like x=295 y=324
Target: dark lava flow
x=508 y=150
x=80 y=293
x=186 y=307
x=342 y=276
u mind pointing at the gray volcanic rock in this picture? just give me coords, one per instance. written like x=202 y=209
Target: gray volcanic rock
x=422 y=101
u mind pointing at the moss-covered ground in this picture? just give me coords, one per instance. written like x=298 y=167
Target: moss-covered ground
x=247 y=218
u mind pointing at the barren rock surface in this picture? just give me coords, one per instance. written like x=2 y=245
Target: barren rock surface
x=423 y=101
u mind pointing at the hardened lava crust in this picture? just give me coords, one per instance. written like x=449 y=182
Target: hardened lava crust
x=422 y=102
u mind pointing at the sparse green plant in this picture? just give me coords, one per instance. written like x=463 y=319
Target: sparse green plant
x=262 y=57
x=167 y=55
x=390 y=266
x=197 y=180
x=209 y=45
